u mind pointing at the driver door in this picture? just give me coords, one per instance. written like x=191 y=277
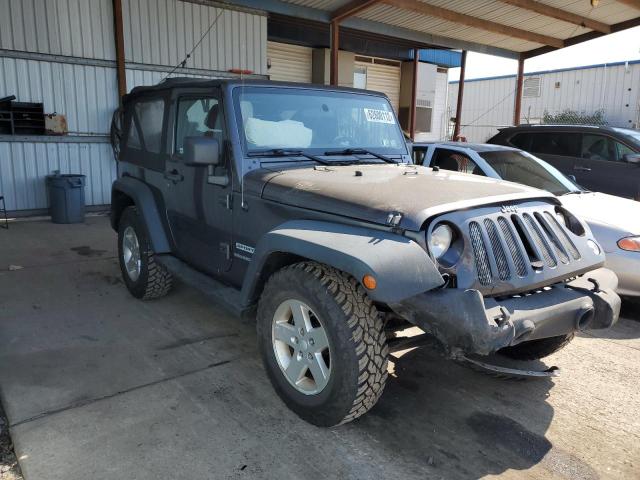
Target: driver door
x=197 y=201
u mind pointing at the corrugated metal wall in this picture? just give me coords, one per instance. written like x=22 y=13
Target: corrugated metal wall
x=489 y=103
x=24 y=165
x=162 y=32
x=486 y=106
x=61 y=53
x=75 y=28
x=86 y=94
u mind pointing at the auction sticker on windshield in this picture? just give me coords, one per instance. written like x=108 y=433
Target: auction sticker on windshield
x=379 y=116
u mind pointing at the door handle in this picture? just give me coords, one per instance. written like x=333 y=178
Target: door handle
x=174 y=175
x=582 y=169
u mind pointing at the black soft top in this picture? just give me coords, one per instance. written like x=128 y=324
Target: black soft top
x=187 y=82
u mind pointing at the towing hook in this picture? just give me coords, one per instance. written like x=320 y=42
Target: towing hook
x=596 y=285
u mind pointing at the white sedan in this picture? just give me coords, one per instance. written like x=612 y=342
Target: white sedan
x=615 y=221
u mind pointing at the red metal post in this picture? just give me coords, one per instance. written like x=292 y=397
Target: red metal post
x=519 y=82
x=463 y=67
x=119 y=40
x=335 y=46
x=414 y=94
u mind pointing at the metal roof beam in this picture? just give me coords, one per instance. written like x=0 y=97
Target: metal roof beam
x=421 y=39
x=470 y=21
x=352 y=8
x=585 y=37
x=559 y=14
x=631 y=3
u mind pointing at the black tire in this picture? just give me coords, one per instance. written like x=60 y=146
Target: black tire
x=154 y=280
x=357 y=342
x=537 y=349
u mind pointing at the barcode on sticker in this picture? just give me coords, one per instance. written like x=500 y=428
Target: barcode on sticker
x=380 y=116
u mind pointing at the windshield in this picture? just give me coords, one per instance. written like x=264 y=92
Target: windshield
x=318 y=120
x=521 y=167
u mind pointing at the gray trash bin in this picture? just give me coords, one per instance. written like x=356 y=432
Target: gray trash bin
x=66 y=198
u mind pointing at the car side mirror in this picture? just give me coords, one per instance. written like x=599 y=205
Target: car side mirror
x=201 y=151
x=632 y=158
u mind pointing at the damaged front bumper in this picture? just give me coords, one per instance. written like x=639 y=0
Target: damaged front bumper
x=465 y=322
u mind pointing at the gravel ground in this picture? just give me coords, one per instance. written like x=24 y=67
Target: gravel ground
x=9 y=468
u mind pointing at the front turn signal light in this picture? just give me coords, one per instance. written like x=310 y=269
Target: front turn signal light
x=369 y=281
x=630 y=244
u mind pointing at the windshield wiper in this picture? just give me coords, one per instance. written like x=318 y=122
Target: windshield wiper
x=360 y=151
x=283 y=152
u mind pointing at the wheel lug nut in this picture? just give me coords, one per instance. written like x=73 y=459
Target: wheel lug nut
x=309 y=356
x=302 y=332
x=294 y=340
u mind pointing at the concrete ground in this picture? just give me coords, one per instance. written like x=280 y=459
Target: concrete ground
x=98 y=385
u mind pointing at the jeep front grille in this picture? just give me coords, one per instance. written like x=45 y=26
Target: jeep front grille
x=518 y=244
x=480 y=253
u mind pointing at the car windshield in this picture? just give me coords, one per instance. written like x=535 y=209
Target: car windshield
x=521 y=167
x=316 y=121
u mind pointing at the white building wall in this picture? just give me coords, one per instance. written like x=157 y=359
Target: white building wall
x=488 y=104
x=62 y=53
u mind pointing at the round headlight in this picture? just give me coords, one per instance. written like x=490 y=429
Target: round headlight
x=440 y=240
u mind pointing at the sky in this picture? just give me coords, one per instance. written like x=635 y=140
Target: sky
x=617 y=47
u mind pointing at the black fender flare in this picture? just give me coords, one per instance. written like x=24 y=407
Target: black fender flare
x=142 y=196
x=400 y=266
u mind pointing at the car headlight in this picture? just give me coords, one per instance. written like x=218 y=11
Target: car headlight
x=440 y=240
x=630 y=244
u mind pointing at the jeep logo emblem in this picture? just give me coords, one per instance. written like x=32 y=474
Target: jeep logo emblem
x=509 y=209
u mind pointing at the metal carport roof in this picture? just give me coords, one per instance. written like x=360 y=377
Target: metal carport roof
x=508 y=28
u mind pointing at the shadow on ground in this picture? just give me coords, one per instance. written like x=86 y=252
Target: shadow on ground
x=442 y=416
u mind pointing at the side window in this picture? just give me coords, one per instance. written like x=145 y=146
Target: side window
x=197 y=117
x=598 y=147
x=556 y=143
x=453 y=160
x=133 y=138
x=521 y=141
x=147 y=121
x=419 y=156
x=622 y=150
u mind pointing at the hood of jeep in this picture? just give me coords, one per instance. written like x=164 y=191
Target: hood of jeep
x=373 y=192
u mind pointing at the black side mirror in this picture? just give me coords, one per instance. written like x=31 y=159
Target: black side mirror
x=632 y=158
x=201 y=151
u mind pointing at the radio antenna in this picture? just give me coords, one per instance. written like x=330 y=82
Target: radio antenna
x=188 y=56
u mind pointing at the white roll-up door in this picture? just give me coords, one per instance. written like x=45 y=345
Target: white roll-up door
x=289 y=63
x=382 y=76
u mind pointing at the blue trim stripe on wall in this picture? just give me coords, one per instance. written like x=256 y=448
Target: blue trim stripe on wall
x=442 y=58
